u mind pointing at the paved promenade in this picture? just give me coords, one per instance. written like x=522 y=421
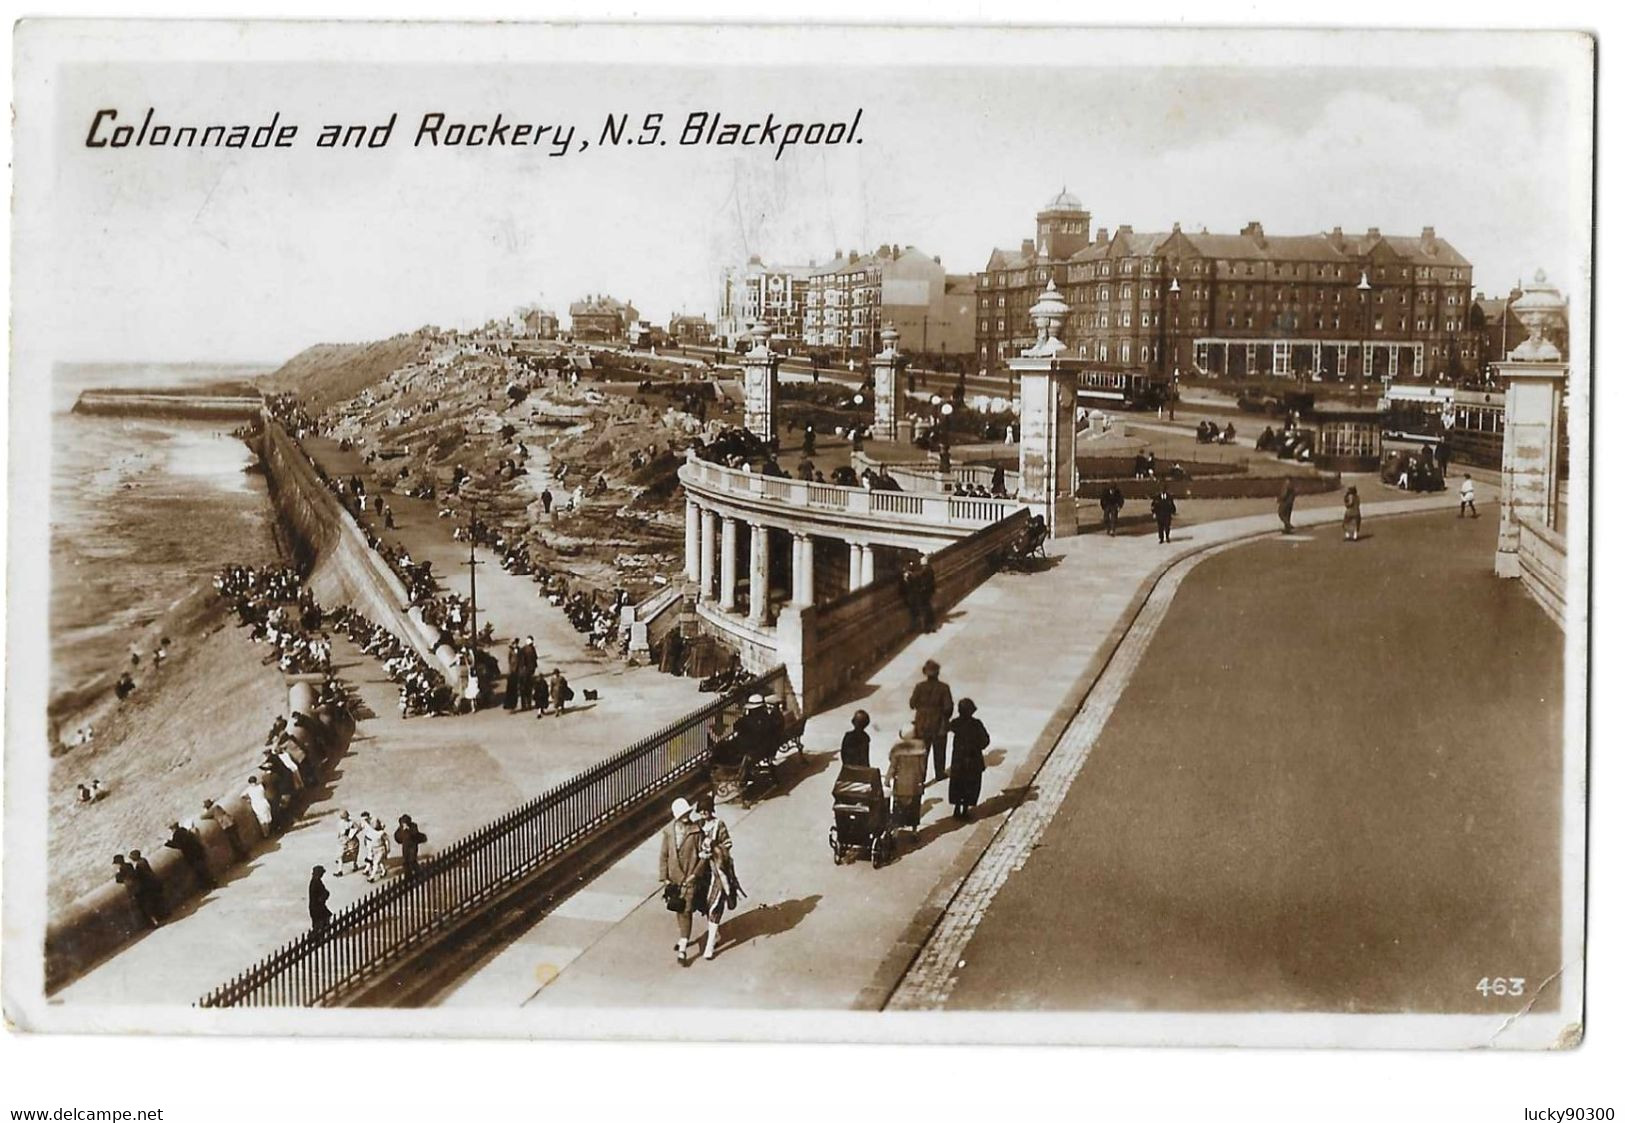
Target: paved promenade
x=813 y=935
x=452 y=774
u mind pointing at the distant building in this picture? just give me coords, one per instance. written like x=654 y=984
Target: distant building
x=852 y=297
x=1306 y=305
x=532 y=322
x=959 y=315
x=773 y=294
x=691 y=331
x=1498 y=333
x=601 y=318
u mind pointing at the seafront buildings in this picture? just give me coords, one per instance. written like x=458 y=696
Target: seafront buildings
x=775 y=295
x=602 y=318
x=1179 y=303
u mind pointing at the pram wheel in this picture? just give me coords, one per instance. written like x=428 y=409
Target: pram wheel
x=884 y=848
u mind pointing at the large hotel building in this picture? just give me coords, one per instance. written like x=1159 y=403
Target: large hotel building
x=1323 y=306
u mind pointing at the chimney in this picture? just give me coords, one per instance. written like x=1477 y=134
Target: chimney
x=1373 y=233
x=1125 y=230
x=937 y=258
x=1176 y=228
x=1336 y=238
x=1101 y=237
x=1027 y=247
x=1255 y=231
x=1430 y=243
x=852 y=257
x=895 y=252
x=1479 y=295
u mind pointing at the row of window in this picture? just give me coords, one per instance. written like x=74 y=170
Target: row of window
x=1201 y=320
x=1149 y=266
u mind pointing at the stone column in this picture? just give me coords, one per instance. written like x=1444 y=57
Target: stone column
x=758 y=573
x=801 y=569
x=854 y=566
x=761 y=386
x=708 y=554
x=866 y=565
x=691 y=540
x=890 y=401
x=728 y=593
x=1534 y=375
x=1049 y=437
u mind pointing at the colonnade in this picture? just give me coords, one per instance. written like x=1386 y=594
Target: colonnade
x=712 y=550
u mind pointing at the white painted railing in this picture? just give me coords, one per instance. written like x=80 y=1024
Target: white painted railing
x=907 y=507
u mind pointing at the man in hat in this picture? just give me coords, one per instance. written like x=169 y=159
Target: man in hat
x=933 y=706
x=527 y=672
x=192 y=850
x=757 y=728
x=125 y=875
x=149 y=891
x=319 y=912
x=680 y=868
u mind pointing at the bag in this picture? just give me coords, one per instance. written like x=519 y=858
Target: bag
x=674 y=898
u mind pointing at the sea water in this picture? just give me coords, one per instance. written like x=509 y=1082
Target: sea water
x=142 y=510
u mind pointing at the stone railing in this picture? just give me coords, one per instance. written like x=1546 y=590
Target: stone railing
x=827 y=648
x=1543 y=559
x=926 y=510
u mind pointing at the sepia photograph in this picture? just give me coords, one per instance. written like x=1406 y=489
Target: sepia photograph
x=710 y=532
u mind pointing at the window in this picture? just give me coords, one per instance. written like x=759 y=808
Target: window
x=1145 y=353
x=1124 y=321
x=1126 y=292
x=1377 y=324
x=1145 y=292
x=1123 y=352
x=1145 y=319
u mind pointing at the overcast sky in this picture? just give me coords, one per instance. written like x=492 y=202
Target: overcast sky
x=165 y=254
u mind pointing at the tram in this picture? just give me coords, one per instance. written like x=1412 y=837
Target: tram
x=1474 y=420
x=1121 y=389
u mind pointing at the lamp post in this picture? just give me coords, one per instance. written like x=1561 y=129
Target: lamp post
x=1364 y=289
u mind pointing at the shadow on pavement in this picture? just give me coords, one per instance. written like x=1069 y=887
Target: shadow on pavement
x=766 y=920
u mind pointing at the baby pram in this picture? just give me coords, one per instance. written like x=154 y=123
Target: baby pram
x=862 y=828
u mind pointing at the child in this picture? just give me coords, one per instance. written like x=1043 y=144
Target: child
x=1467 y=498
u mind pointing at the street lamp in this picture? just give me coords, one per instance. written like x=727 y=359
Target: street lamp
x=1364 y=289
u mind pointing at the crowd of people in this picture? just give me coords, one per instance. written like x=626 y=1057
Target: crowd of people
x=1209 y=433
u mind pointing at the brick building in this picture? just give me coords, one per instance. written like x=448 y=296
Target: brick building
x=601 y=318
x=852 y=297
x=774 y=294
x=691 y=331
x=1184 y=303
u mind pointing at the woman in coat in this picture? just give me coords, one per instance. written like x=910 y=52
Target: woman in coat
x=718 y=887
x=1351 y=515
x=680 y=866
x=1283 y=505
x=966 y=766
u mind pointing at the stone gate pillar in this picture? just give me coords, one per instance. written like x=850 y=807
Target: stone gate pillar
x=889 y=366
x=1049 y=433
x=1533 y=376
x=762 y=386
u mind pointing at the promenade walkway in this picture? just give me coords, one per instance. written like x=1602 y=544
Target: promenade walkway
x=452 y=774
x=813 y=935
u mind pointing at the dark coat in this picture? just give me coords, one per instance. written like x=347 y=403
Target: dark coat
x=933 y=705
x=966 y=766
x=855 y=747
x=410 y=838
x=319 y=912
x=1163 y=508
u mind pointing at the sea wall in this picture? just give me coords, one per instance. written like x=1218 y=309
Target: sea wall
x=179 y=406
x=324 y=541
x=104 y=920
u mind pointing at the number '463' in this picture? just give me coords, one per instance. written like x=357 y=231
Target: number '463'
x=1501 y=988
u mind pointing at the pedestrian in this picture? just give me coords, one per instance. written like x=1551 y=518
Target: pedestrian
x=349 y=832
x=1284 y=502
x=547 y=501
x=559 y=692
x=1111 y=504
x=718 y=888
x=410 y=838
x=905 y=778
x=965 y=772
x=925 y=590
x=1442 y=455
x=510 y=699
x=933 y=706
x=125 y=875
x=1163 y=510
x=228 y=826
x=1351 y=515
x=320 y=914
x=527 y=673
x=855 y=745
x=679 y=870
x=375 y=848
x=149 y=890
x=191 y=849
x=1467 y=495
x=260 y=803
